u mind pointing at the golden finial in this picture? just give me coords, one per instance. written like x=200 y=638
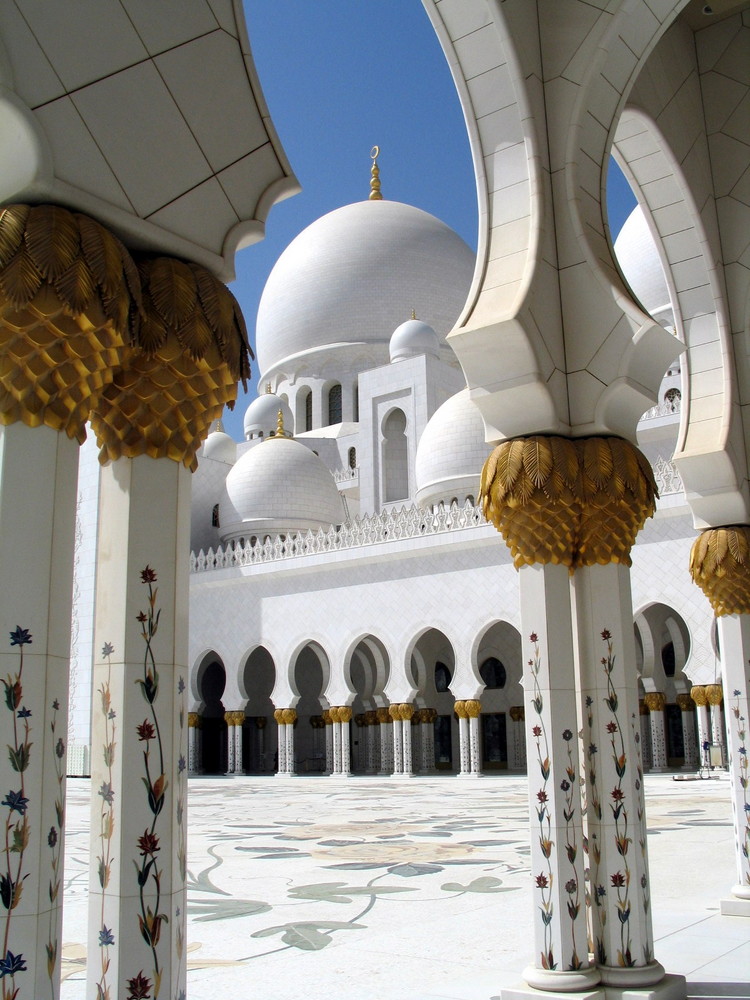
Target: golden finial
x=375 y=194
x=280 y=425
x=414 y=314
x=268 y=388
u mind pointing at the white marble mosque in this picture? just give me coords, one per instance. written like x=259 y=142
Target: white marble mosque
x=332 y=595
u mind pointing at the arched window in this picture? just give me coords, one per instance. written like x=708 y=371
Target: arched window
x=493 y=673
x=668 y=659
x=215 y=516
x=352 y=458
x=334 y=404
x=673 y=397
x=442 y=677
x=395 y=457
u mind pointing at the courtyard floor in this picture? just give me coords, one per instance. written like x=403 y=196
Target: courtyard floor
x=379 y=889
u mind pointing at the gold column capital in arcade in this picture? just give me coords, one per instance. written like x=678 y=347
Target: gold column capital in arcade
x=289 y=716
x=473 y=708
x=406 y=711
x=383 y=715
x=326 y=714
x=714 y=694
x=194 y=720
x=571 y=502
x=720 y=566
x=279 y=716
x=394 y=711
x=698 y=694
x=655 y=701
x=345 y=713
x=459 y=707
x=685 y=702
x=517 y=713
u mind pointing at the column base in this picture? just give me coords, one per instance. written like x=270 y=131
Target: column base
x=285 y=774
x=637 y=978
x=670 y=987
x=402 y=775
x=543 y=983
x=470 y=774
x=738 y=904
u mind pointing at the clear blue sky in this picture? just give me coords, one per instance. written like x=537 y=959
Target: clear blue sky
x=340 y=76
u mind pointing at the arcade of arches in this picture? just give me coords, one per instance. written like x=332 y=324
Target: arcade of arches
x=682 y=724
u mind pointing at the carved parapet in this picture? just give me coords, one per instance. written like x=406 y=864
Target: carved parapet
x=70 y=301
x=473 y=708
x=685 y=703
x=192 y=350
x=655 y=701
x=714 y=694
x=720 y=565
x=698 y=694
x=573 y=502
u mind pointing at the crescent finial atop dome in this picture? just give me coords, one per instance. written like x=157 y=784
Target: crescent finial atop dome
x=375 y=194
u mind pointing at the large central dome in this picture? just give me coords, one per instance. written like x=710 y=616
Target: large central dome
x=355 y=275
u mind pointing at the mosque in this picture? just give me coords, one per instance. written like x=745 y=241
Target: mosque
x=352 y=604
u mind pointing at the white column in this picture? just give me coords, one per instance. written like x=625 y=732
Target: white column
x=137 y=891
x=645 y=727
x=689 y=739
x=231 y=745
x=398 y=754
x=475 y=756
x=715 y=697
x=280 y=741
x=406 y=727
x=734 y=640
x=193 y=723
x=698 y=694
x=463 y=739
x=371 y=736
x=260 y=724
x=561 y=958
x=620 y=885
x=427 y=730
x=289 y=749
x=38 y=470
x=345 y=715
x=329 y=741
x=655 y=703
x=199 y=747
x=336 y=741
x=386 y=742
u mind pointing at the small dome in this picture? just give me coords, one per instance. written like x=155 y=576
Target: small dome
x=219 y=446
x=638 y=257
x=262 y=415
x=350 y=277
x=451 y=453
x=413 y=338
x=278 y=486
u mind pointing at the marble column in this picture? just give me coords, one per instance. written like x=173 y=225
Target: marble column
x=644 y=717
x=407 y=713
x=656 y=702
x=518 y=742
x=572 y=509
x=234 y=721
x=698 y=694
x=715 y=697
x=416 y=742
x=689 y=739
x=281 y=767
x=194 y=759
x=328 y=723
x=289 y=717
x=398 y=753
x=427 y=737
x=464 y=754
x=335 y=720
x=60 y=342
x=473 y=712
x=718 y=564
x=385 y=725
x=149 y=422
x=371 y=733
x=345 y=718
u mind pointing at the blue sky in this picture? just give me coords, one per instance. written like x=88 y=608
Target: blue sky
x=340 y=76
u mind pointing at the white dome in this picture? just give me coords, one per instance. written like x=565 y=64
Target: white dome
x=451 y=453
x=639 y=261
x=278 y=486
x=262 y=415
x=351 y=277
x=413 y=338
x=219 y=446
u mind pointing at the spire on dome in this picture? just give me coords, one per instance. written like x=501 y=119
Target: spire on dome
x=280 y=432
x=375 y=194
x=268 y=388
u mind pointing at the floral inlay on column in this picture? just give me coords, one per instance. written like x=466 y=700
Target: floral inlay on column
x=572 y=887
x=16 y=838
x=54 y=839
x=181 y=783
x=150 y=920
x=107 y=825
x=740 y=725
x=543 y=880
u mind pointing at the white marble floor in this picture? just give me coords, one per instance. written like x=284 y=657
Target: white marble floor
x=377 y=889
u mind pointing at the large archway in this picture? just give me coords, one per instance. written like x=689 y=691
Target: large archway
x=211 y=682
x=432 y=665
x=498 y=660
x=368 y=668
x=259 y=737
x=308 y=674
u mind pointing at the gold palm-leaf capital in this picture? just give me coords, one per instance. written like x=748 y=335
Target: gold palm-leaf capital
x=720 y=566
